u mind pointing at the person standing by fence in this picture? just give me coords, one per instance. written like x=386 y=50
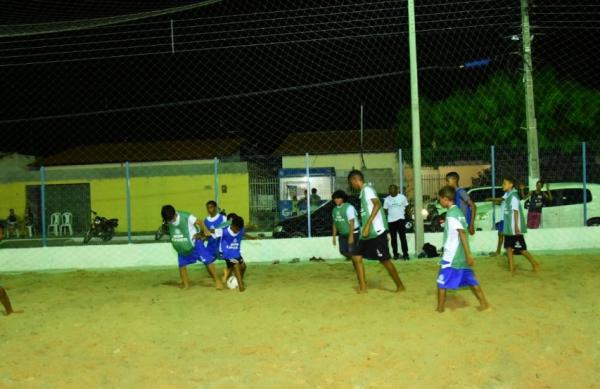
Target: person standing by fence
x=537 y=200
x=395 y=208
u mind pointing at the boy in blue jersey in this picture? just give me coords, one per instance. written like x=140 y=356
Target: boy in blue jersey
x=6 y=302
x=212 y=222
x=455 y=266
x=462 y=200
x=230 y=245
x=186 y=233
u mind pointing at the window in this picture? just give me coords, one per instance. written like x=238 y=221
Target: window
x=569 y=196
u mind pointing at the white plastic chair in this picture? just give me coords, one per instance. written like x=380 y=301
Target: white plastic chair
x=67 y=223
x=54 y=223
x=30 y=231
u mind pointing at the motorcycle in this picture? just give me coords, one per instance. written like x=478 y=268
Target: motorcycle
x=101 y=227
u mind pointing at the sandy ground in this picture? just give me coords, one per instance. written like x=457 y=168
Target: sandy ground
x=303 y=325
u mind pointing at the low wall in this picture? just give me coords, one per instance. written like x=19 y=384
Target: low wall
x=161 y=254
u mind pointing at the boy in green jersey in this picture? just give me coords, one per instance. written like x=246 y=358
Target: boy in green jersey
x=186 y=233
x=373 y=243
x=515 y=226
x=455 y=266
x=345 y=224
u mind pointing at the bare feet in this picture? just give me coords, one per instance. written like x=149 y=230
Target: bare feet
x=440 y=309
x=485 y=308
x=536 y=267
x=400 y=288
x=14 y=311
x=219 y=285
x=494 y=254
x=361 y=289
x=184 y=286
x=242 y=288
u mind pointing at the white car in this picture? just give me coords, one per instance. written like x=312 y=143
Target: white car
x=565 y=209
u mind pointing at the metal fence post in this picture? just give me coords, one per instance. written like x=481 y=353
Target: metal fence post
x=493 y=172
x=308 y=191
x=128 y=199
x=584 y=173
x=43 y=201
x=401 y=170
x=216 y=178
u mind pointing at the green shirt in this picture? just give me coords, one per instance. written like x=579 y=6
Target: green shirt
x=379 y=224
x=454 y=252
x=511 y=204
x=182 y=236
x=341 y=219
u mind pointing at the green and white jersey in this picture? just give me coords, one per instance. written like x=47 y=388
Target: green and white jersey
x=379 y=224
x=182 y=232
x=342 y=215
x=512 y=203
x=454 y=252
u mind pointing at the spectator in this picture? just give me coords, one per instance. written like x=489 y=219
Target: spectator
x=11 y=222
x=395 y=206
x=537 y=200
x=315 y=199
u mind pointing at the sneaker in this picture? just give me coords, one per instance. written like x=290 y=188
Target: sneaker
x=396 y=256
x=405 y=257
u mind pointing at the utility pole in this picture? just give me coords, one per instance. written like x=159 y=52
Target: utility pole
x=416 y=128
x=532 y=138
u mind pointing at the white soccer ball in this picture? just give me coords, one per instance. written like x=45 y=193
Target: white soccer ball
x=232 y=282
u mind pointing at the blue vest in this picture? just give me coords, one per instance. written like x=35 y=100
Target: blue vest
x=231 y=244
x=212 y=244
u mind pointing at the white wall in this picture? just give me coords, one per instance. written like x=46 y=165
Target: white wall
x=161 y=254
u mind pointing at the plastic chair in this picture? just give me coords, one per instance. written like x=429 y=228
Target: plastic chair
x=67 y=223
x=54 y=223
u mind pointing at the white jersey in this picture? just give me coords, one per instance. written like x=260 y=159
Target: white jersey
x=395 y=206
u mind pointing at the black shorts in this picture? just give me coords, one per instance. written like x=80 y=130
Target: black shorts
x=515 y=242
x=231 y=262
x=348 y=249
x=375 y=249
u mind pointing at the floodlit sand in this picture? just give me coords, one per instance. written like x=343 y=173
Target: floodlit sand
x=303 y=325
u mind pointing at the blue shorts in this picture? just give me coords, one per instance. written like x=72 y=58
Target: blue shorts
x=500 y=226
x=450 y=278
x=199 y=254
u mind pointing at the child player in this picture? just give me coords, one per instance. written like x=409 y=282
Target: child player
x=514 y=226
x=230 y=244
x=345 y=224
x=6 y=302
x=455 y=266
x=212 y=222
x=186 y=233
x=463 y=201
x=373 y=243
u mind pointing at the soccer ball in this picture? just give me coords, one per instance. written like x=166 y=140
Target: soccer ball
x=232 y=282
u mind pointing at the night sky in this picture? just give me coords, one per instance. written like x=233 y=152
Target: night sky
x=260 y=70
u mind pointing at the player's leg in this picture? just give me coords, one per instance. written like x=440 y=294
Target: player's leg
x=185 y=279
x=237 y=270
x=403 y=242
x=478 y=292
x=441 y=297
x=359 y=268
x=394 y=230
x=393 y=272
x=534 y=264
x=511 y=259
x=6 y=302
x=225 y=274
x=212 y=271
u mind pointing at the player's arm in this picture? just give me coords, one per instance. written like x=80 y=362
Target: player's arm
x=351 y=235
x=548 y=194
x=333 y=234
x=204 y=232
x=465 y=244
x=376 y=207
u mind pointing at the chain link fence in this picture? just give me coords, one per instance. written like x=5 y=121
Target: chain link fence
x=255 y=105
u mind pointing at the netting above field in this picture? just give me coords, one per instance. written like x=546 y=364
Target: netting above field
x=237 y=91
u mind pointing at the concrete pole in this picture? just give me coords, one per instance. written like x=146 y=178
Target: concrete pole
x=416 y=128
x=532 y=138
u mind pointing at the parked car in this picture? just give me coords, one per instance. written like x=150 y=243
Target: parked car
x=320 y=221
x=565 y=209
